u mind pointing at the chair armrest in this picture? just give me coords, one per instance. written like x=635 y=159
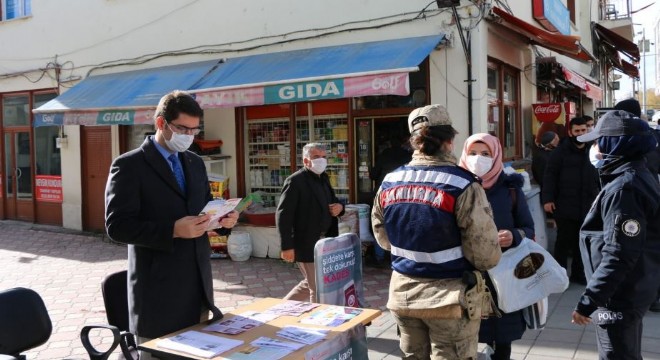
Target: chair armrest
x=91 y=350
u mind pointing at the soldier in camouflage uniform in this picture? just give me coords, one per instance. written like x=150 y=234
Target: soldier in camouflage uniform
x=435 y=219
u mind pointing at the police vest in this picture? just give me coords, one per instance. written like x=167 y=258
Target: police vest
x=418 y=205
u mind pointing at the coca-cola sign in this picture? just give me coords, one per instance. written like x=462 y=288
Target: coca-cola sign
x=548 y=112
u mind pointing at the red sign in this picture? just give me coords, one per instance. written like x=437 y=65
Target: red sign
x=547 y=113
x=575 y=79
x=49 y=188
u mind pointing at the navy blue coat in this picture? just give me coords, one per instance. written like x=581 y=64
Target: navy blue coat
x=620 y=241
x=516 y=218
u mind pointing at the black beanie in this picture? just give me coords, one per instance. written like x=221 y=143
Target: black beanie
x=629 y=105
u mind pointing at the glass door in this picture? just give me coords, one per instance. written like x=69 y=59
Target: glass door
x=364 y=157
x=382 y=146
x=18 y=175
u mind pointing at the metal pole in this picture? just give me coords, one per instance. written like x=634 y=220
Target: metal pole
x=644 y=73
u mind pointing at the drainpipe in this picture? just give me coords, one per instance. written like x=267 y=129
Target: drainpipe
x=467 y=49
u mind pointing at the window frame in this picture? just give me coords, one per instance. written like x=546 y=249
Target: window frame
x=24 y=6
x=499 y=108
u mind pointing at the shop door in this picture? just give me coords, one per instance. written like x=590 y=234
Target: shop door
x=373 y=136
x=96 y=159
x=19 y=200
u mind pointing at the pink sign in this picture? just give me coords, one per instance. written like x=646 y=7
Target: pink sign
x=594 y=92
x=575 y=79
x=231 y=97
x=383 y=84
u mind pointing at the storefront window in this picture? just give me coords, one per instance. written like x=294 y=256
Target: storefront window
x=15 y=110
x=503 y=108
x=46 y=152
x=137 y=134
x=492 y=84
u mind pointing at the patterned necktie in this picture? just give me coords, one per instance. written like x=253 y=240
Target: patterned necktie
x=178 y=171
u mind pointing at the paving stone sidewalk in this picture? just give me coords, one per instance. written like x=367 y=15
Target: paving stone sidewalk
x=66 y=268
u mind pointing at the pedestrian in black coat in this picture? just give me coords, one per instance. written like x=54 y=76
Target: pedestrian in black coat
x=170 y=286
x=570 y=185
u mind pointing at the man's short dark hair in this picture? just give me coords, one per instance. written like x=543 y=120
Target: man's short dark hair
x=177 y=102
x=578 y=121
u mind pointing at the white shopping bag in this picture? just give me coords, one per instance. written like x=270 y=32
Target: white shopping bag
x=536 y=314
x=525 y=275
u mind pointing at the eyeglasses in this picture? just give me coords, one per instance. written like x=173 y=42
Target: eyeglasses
x=184 y=129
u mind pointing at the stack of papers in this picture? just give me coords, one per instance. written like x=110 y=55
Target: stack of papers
x=331 y=316
x=292 y=308
x=199 y=344
x=303 y=335
x=241 y=323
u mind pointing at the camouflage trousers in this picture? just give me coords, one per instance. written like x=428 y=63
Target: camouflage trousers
x=437 y=339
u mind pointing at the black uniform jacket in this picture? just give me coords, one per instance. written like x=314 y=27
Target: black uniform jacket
x=620 y=241
x=169 y=279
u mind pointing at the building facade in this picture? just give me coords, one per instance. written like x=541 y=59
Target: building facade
x=79 y=88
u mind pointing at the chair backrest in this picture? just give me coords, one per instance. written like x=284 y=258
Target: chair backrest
x=115 y=299
x=24 y=321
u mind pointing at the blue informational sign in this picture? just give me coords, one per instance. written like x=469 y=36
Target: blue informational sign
x=558 y=15
x=304 y=91
x=124 y=117
x=338 y=263
x=48 y=119
x=351 y=344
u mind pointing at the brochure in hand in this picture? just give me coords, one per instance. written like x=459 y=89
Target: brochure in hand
x=220 y=207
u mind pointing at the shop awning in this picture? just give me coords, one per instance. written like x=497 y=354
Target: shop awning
x=616 y=41
x=592 y=91
x=563 y=44
x=371 y=68
x=123 y=98
x=611 y=44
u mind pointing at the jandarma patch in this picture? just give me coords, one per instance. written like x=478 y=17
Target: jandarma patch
x=630 y=227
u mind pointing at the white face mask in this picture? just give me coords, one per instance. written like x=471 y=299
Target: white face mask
x=179 y=142
x=595 y=157
x=318 y=165
x=479 y=164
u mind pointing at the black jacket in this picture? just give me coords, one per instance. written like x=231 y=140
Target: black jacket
x=300 y=213
x=570 y=181
x=169 y=279
x=620 y=241
x=539 y=161
x=653 y=157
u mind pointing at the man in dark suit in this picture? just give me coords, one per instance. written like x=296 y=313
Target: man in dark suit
x=155 y=211
x=307 y=212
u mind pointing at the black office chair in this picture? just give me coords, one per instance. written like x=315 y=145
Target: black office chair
x=115 y=299
x=24 y=322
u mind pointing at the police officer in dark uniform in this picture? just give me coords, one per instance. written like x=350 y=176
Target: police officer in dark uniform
x=620 y=236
